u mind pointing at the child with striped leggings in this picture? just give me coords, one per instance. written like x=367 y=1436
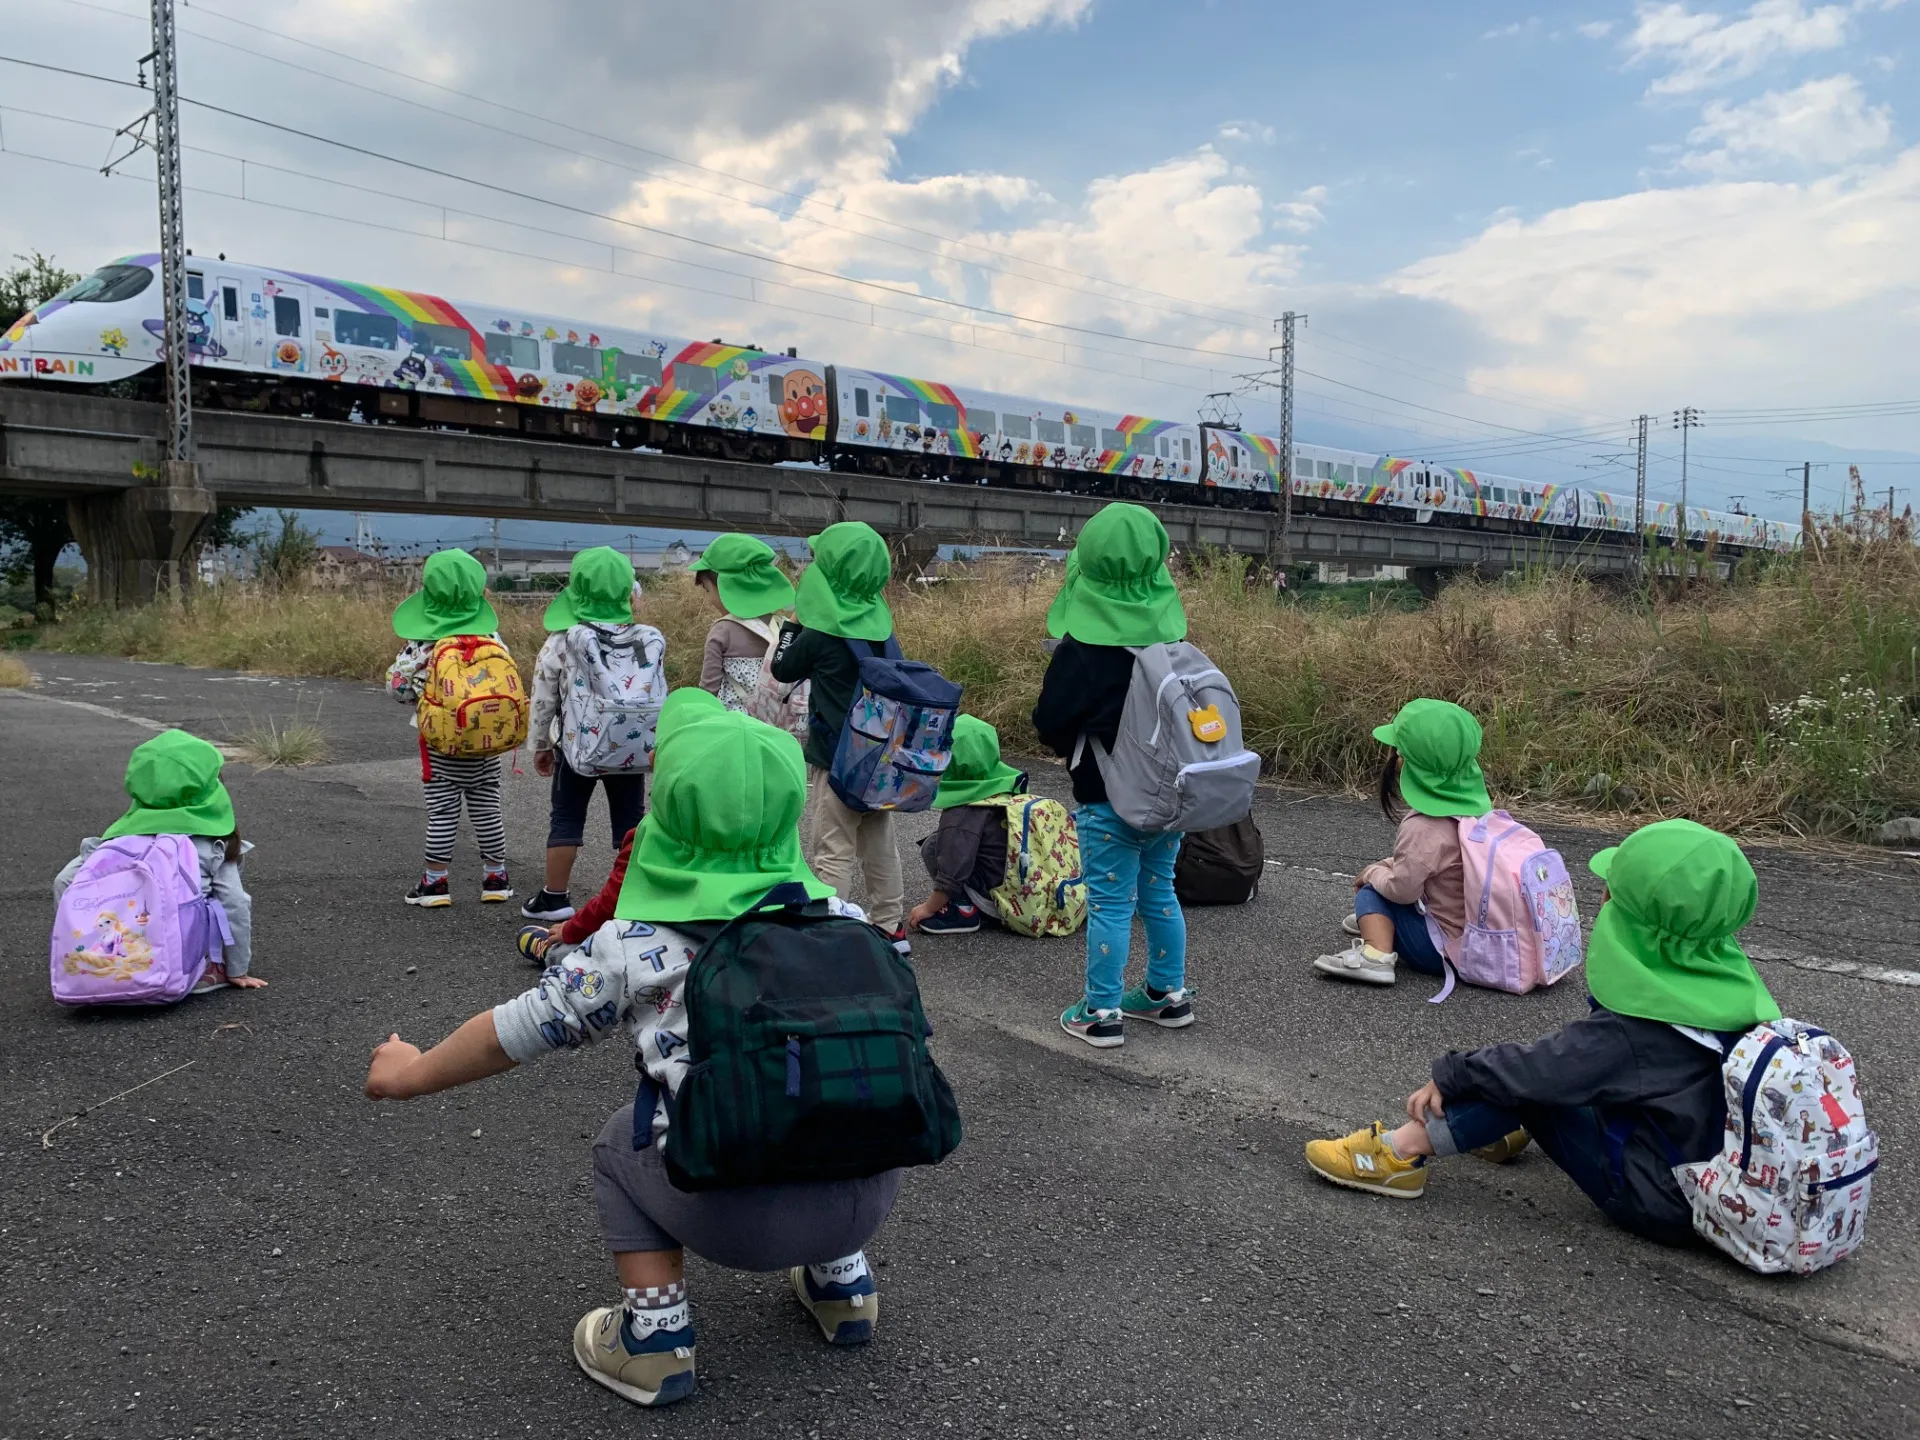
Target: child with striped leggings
x=451 y=603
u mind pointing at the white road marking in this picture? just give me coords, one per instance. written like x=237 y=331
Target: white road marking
x=156 y=726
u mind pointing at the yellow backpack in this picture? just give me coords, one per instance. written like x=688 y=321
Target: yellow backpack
x=472 y=702
x=1044 y=893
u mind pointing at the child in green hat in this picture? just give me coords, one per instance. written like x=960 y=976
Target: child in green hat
x=173 y=788
x=741 y=578
x=966 y=857
x=1620 y=1096
x=451 y=606
x=842 y=597
x=1117 y=593
x=1431 y=777
x=594 y=646
x=722 y=832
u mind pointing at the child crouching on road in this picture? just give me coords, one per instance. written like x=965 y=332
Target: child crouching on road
x=1613 y=1097
x=722 y=832
x=967 y=856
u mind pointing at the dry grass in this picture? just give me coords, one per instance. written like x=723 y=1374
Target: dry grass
x=1784 y=702
x=13 y=674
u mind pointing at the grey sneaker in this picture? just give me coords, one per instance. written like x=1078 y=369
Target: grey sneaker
x=1360 y=961
x=657 y=1371
x=1351 y=925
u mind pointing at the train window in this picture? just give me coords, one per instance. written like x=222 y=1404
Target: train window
x=944 y=417
x=903 y=409
x=108 y=284
x=1083 y=436
x=1164 y=449
x=1020 y=427
x=1186 y=448
x=372 y=332
x=286 y=316
x=982 y=421
x=522 y=352
x=694 y=379
x=196 y=287
x=860 y=403
x=1344 y=474
x=1051 y=431
x=582 y=360
x=229 y=302
x=1112 y=440
x=443 y=342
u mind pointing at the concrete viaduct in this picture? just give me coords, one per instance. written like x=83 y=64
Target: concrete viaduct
x=135 y=517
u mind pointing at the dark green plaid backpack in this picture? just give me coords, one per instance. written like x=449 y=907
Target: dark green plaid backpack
x=807 y=1057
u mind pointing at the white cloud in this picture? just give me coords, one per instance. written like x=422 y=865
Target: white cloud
x=1702 y=48
x=1707 y=291
x=1246 y=130
x=1596 y=29
x=1823 y=122
x=1517 y=27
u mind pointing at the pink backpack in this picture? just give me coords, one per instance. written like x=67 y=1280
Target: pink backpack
x=134 y=928
x=1523 y=919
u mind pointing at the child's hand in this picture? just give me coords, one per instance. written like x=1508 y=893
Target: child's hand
x=246 y=982
x=543 y=762
x=1426 y=1104
x=386 y=1074
x=922 y=911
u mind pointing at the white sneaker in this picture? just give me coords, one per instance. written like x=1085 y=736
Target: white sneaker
x=1360 y=962
x=1351 y=925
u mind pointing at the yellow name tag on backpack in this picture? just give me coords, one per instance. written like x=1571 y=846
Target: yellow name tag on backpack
x=1208 y=727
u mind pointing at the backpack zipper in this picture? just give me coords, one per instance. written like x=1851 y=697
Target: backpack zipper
x=793 y=1067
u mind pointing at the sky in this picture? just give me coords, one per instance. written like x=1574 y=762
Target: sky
x=1512 y=229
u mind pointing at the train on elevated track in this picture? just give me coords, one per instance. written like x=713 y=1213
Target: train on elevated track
x=278 y=340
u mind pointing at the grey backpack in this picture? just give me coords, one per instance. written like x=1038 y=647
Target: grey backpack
x=1177 y=762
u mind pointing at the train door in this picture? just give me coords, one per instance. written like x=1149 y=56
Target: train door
x=290 y=334
x=229 y=323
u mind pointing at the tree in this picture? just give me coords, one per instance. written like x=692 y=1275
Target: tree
x=31 y=283
x=282 y=558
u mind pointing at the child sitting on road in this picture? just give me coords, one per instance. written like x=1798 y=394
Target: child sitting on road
x=451 y=605
x=967 y=856
x=173 y=782
x=722 y=833
x=739 y=574
x=1433 y=770
x=1616 y=1096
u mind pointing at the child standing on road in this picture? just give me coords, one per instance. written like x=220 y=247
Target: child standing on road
x=1117 y=593
x=740 y=577
x=173 y=784
x=1433 y=771
x=1620 y=1096
x=841 y=600
x=453 y=643
x=594 y=644
x=723 y=832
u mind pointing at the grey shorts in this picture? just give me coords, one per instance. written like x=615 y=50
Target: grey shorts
x=762 y=1227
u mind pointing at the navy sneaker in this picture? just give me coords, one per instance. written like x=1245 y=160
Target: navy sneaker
x=527 y=942
x=654 y=1371
x=900 y=941
x=955 y=919
x=548 y=907
x=433 y=894
x=846 y=1314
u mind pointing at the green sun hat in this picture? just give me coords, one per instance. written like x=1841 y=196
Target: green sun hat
x=1118 y=590
x=173 y=781
x=843 y=591
x=723 y=824
x=683 y=707
x=1662 y=946
x=451 y=600
x=976 y=771
x=1439 y=745
x=599 y=591
x=748 y=574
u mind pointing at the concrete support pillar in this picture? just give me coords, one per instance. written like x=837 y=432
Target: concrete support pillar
x=136 y=541
x=1428 y=579
x=913 y=555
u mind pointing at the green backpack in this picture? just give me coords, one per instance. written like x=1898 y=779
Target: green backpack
x=807 y=1057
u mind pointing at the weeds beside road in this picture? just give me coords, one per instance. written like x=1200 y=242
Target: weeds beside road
x=1787 y=701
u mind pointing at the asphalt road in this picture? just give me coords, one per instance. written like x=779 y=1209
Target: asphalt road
x=1127 y=1243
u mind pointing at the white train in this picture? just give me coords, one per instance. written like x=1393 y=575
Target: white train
x=310 y=345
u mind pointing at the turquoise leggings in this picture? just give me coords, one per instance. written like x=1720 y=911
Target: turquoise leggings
x=1129 y=872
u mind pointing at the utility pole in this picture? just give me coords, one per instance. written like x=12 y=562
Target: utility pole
x=173 y=241
x=496 y=547
x=1806 y=495
x=1640 y=492
x=1285 y=326
x=1685 y=421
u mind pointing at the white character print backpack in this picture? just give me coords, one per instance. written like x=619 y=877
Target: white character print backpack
x=616 y=685
x=1177 y=762
x=1787 y=1194
x=1523 y=920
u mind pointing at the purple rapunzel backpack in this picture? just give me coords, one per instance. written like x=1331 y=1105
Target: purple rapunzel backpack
x=134 y=928
x=1523 y=922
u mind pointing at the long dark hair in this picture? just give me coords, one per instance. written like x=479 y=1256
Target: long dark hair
x=1390 y=802
x=232 y=842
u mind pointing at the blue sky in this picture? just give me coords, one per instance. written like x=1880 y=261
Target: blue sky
x=1514 y=228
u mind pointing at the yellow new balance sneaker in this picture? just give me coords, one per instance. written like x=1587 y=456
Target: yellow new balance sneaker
x=1363 y=1161
x=1506 y=1149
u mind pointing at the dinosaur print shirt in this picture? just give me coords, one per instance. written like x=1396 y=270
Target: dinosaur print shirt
x=627 y=978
